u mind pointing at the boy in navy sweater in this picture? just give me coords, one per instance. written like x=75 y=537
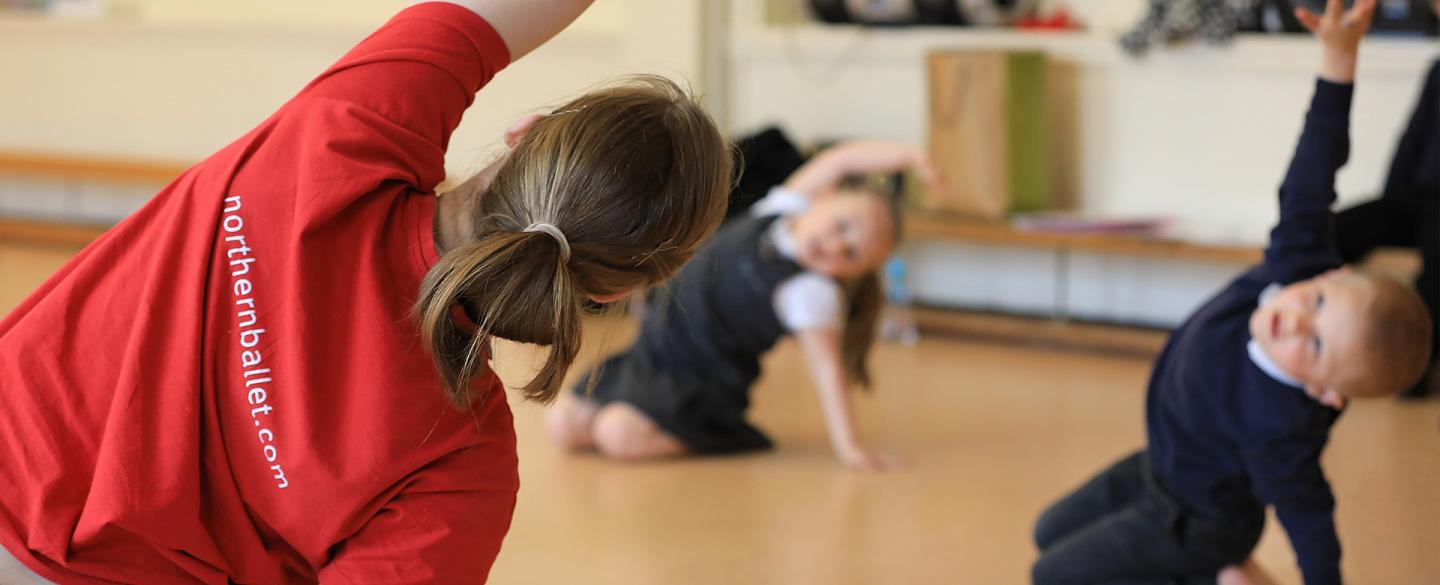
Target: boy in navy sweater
x=1241 y=400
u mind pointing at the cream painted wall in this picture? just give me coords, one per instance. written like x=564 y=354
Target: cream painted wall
x=603 y=16
x=173 y=81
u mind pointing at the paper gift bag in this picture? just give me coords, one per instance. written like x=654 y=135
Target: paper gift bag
x=989 y=132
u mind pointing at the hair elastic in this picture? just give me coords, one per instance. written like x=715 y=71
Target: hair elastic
x=553 y=232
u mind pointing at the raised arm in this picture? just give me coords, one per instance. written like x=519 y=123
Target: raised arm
x=825 y=171
x=1302 y=243
x=526 y=24
x=1339 y=31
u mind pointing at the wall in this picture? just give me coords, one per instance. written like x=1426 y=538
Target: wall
x=177 y=79
x=604 y=16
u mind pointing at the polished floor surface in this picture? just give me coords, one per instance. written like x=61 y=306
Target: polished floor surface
x=993 y=434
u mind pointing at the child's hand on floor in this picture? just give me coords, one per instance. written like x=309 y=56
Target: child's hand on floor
x=1339 y=31
x=862 y=460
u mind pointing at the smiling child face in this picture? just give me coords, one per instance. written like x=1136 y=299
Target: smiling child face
x=844 y=236
x=1314 y=330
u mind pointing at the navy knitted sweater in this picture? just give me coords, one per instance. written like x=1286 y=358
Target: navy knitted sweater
x=1224 y=435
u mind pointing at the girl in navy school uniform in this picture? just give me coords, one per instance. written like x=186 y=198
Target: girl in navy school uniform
x=802 y=263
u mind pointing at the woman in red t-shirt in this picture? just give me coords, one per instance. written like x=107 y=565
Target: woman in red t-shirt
x=276 y=371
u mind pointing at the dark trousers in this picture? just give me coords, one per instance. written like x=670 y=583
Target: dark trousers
x=1123 y=527
x=1398 y=221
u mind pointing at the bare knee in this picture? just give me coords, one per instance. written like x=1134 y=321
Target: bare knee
x=623 y=432
x=570 y=423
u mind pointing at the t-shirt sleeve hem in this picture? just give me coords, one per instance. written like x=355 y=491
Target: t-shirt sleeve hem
x=809 y=301
x=468 y=23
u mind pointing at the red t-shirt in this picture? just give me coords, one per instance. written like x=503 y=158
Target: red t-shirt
x=229 y=385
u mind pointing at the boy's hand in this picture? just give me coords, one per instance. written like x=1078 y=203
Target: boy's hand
x=1339 y=31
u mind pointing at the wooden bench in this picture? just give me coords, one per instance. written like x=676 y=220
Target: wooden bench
x=78 y=169
x=927 y=226
x=1059 y=331
x=48 y=234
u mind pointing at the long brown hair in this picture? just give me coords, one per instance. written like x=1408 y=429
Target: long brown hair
x=864 y=296
x=635 y=177
x=865 y=299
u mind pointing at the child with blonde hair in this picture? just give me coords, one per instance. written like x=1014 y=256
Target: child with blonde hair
x=802 y=263
x=277 y=371
x=1242 y=398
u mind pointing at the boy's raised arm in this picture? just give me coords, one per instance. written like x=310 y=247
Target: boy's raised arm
x=1302 y=243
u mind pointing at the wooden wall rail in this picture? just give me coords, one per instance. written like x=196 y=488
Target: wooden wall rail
x=1104 y=338
x=925 y=226
x=63 y=235
x=74 y=168
x=89 y=168
x=917 y=225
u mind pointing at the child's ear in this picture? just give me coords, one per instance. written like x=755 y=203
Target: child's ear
x=520 y=128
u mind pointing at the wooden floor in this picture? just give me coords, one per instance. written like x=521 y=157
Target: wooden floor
x=994 y=433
